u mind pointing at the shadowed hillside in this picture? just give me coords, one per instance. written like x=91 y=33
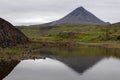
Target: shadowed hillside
x=9 y=35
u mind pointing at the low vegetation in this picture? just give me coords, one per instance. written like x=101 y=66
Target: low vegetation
x=91 y=34
x=77 y=33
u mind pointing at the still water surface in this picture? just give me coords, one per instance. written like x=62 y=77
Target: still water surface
x=85 y=63
x=51 y=69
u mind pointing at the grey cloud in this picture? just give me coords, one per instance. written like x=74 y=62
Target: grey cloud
x=25 y=12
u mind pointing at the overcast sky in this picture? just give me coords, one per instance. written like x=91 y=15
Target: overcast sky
x=25 y=12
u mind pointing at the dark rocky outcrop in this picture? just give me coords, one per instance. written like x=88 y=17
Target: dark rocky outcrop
x=9 y=35
x=6 y=66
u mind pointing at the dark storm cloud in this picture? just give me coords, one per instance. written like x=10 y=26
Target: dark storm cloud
x=21 y=12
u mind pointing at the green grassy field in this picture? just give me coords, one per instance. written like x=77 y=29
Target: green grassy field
x=97 y=34
x=77 y=33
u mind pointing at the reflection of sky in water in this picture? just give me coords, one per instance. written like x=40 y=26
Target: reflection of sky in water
x=49 y=69
x=107 y=69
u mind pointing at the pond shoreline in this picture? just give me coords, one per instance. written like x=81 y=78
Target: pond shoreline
x=112 y=45
x=27 y=50
x=22 y=57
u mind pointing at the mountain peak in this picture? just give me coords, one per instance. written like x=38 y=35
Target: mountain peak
x=80 y=9
x=80 y=16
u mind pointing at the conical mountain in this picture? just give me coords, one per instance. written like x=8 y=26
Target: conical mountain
x=79 y=16
x=9 y=35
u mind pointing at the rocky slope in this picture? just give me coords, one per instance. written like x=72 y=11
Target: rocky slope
x=79 y=16
x=9 y=35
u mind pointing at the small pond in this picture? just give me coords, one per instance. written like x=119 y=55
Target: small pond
x=84 y=63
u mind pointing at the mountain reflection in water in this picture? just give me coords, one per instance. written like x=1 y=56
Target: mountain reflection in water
x=72 y=67
x=51 y=69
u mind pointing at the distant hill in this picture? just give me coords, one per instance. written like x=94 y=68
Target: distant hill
x=118 y=23
x=9 y=35
x=79 y=16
